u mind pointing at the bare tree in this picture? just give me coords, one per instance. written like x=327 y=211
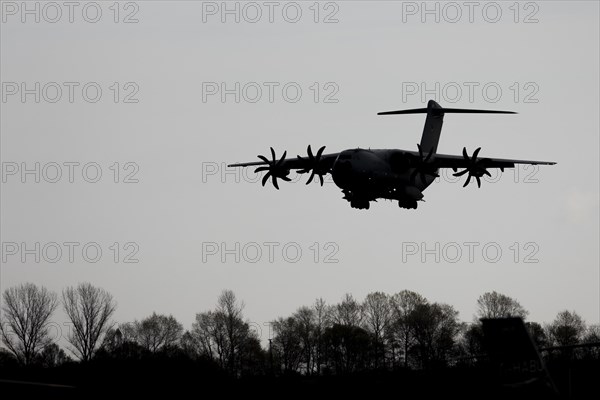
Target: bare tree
x=305 y=319
x=287 y=343
x=158 y=331
x=89 y=308
x=222 y=334
x=208 y=331
x=349 y=312
x=403 y=305
x=566 y=329
x=24 y=325
x=377 y=317
x=230 y=310
x=52 y=356
x=321 y=323
x=592 y=335
x=436 y=328
x=497 y=305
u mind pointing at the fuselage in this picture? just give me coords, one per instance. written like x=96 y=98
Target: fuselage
x=373 y=174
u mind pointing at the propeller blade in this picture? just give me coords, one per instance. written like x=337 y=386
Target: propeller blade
x=273 y=154
x=321 y=178
x=461 y=173
x=282 y=158
x=275 y=182
x=428 y=155
x=265 y=178
x=261 y=169
x=478 y=181
x=320 y=152
x=468 y=180
x=476 y=153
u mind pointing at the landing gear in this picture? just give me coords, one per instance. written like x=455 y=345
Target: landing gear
x=360 y=203
x=408 y=204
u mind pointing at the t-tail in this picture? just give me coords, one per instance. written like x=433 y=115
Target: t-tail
x=435 y=118
x=521 y=371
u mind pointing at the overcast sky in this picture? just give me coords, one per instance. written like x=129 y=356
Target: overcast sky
x=163 y=118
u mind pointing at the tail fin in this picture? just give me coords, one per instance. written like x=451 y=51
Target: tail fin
x=435 y=118
x=518 y=362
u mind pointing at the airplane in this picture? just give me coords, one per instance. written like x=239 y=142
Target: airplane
x=365 y=175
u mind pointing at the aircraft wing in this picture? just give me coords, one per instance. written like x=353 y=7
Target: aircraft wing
x=325 y=160
x=456 y=162
x=279 y=168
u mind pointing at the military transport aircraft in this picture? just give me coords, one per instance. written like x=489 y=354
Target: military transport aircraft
x=402 y=175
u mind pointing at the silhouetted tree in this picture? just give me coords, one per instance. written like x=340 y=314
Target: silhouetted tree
x=222 y=334
x=236 y=330
x=471 y=340
x=89 y=308
x=403 y=305
x=287 y=343
x=537 y=333
x=120 y=343
x=592 y=335
x=127 y=332
x=321 y=322
x=377 y=317
x=190 y=345
x=209 y=336
x=436 y=327
x=305 y=319
x=497 y=305
x=52 y=356
x=157 y=332
x=348 y=312
x=26 y=311
x=566 y=329
x=253 y=359
x=347 y=348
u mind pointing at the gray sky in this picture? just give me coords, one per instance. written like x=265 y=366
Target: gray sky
x=182 y=214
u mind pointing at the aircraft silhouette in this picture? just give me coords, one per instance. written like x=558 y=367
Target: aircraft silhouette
x=394 y=174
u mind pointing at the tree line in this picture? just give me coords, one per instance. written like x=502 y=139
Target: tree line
x=381 y=333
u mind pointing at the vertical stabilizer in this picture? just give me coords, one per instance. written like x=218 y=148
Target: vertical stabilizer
x=433 y=127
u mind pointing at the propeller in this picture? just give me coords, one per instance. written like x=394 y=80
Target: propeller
x=474 y=167
x=423 y=167
x=313 y=165
x=274 y=169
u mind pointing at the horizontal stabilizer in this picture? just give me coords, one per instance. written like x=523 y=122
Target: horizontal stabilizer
x=441 y=111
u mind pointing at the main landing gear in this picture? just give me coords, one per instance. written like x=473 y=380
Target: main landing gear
x=360 y=203
x=408 y=204
x=363 y=203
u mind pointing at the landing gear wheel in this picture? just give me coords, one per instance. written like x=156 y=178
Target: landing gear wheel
x=356 y=202
x=408 y=204
x=360 y=204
